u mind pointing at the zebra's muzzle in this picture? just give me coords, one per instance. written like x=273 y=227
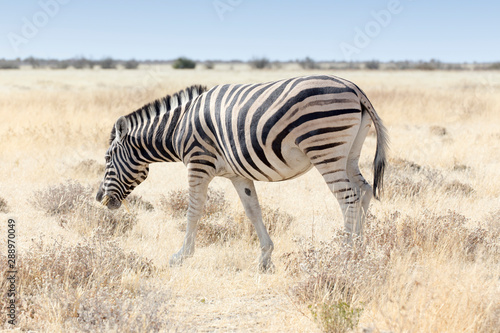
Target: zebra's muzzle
x=111 y=202
x=105 y=200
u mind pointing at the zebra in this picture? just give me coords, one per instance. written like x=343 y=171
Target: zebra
x=270 y=132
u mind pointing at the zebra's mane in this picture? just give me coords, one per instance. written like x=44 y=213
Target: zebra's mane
x=167 y=103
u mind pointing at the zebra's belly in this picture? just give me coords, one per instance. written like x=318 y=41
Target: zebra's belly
x=297 y=163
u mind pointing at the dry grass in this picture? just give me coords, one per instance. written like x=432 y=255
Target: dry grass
x=341 y=281
x=276 y=222
x=407 y=179
x=75 y=208
x=176 y=202
x=139 y=203
x=91 y=287
x=429 y=262
x=217 y=225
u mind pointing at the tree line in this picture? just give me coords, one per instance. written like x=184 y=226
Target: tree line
x=255 y=63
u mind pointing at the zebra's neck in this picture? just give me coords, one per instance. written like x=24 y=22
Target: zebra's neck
x=152 y=127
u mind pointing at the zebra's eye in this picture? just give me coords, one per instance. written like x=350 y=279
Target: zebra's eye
x=107 y=158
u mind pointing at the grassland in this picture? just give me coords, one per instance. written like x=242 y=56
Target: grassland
x=430 y=261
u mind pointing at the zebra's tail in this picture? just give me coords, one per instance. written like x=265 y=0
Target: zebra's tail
x=380 y=160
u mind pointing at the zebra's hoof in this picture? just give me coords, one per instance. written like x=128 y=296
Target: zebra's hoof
x=176 y=260
x=267 y=267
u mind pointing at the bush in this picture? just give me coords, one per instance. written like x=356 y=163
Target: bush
x=107 y=63
x=308 y=63
x=494 y=66
x=184 y=63
x=374 y=64
x=131 y=64
x=80 y=63
x=215 y=231
x=83 y=288
x=407 y=179
x=216 y=228
x=60 y=199
x=339 y=279
x=139 y=203
x=176 y=203
x=276 y=223
x=209 y=65
x=9 y=64
x=33 y=62
x=336 y=317
x=75 y=207
x=260 y=63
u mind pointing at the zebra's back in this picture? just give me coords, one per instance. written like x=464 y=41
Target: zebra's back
x=264 y=131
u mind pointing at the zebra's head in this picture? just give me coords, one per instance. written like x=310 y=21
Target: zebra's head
x=123 y=171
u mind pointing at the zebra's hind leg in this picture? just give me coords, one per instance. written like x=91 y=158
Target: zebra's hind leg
x=346 y=192
x=248 y=195
x=198 y=187
x=364 y=189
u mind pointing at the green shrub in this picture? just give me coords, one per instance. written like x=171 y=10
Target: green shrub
x=184 y=63
x=260 y=63
x=107 y=63
x=336 y=317
x=374 y=64
x=131 y=64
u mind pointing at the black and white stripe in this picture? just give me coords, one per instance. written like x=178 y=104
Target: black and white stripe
x=254 y=132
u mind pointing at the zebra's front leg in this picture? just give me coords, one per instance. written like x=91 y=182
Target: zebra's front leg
x=248 y=195
x=198 y=187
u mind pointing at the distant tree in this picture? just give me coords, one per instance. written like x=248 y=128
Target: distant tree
x=495 y=66
x=33 y=62
x=260 y=63
x=374 y=64
x=184 y=63
x=131 y=64
x=107 y=63
x=9 y=64
x=425 y=66
x=82 y=62
x=308 y=63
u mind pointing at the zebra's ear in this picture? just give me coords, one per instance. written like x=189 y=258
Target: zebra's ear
x=121 y=128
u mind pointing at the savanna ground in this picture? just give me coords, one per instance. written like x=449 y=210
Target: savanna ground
x=429 y=263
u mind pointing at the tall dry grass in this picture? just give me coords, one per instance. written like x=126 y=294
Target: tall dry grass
x=429 y=262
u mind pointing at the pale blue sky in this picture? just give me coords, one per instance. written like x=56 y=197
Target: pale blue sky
x=451 y=31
